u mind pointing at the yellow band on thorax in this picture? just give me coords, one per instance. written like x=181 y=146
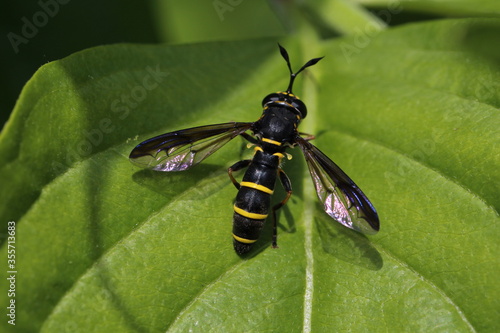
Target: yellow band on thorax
x=271 y=141
x=280 y=155
x=257 y=148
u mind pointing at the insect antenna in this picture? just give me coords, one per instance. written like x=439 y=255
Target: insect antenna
x=293 y=75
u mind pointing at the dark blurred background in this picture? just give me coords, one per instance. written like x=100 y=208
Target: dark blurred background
x=37 y=32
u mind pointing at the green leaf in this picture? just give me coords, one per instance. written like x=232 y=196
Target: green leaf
x=411 y=114
x=340 y=17
x=195 y=21
x=485 y=8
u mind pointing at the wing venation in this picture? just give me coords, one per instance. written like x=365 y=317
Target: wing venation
x=342 y=199
x=180 y=150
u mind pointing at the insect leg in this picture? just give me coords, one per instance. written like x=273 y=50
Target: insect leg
x=250 y=138
x=235 y=167
x=287 y=185
x=306 y=136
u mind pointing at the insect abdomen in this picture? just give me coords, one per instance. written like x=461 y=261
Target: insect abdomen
x=252 y=204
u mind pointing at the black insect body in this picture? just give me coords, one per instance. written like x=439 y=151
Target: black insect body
x=274 y=132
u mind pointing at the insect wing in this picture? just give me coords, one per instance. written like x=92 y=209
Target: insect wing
x=341 y=197
x=180 y=150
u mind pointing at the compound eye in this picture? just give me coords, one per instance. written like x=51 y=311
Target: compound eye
x=299 y=105
x=270 y=98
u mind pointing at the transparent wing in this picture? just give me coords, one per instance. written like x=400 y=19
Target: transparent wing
x=341 y=197
x=180 y=150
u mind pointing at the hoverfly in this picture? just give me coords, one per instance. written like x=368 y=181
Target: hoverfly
x=274 y=132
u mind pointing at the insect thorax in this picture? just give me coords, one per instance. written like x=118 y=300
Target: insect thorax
x=277 y=126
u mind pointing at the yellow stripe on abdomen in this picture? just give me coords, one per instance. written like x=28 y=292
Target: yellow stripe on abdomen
x=244 y=240
x=257 y=187
x=253 y=216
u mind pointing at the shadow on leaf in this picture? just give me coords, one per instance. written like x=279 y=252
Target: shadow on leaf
x=347 y=245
